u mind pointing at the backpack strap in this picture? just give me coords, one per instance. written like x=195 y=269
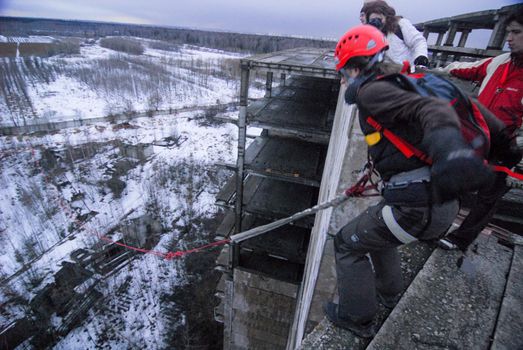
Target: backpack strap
x=409 y=150
x=402 y=145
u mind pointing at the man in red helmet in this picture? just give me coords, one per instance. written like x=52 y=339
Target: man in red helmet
x=419 y=201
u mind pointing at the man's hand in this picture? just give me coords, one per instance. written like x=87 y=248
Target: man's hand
x=456 y=168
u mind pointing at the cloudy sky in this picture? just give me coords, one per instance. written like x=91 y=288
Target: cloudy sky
x=319 y=19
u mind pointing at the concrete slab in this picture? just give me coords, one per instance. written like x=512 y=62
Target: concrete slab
x=327 y=336
x=447 y=308
x=510 y=321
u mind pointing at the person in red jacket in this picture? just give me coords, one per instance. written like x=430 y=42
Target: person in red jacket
x=501 y=91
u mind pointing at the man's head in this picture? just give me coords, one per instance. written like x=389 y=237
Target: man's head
x=357 y=53
x=515 y=32
x=358 y=46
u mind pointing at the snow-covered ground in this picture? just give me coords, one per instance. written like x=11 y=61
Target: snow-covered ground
x=57 y=197
x=100 y=81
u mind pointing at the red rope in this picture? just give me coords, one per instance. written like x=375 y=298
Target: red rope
x=360 y=187
x=167 y=255
x=180 y=253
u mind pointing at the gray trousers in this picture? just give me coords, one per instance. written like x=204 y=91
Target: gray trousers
x=375 y=232
x=481 y=212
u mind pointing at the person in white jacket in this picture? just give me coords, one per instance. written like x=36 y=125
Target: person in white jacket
x=406 y=43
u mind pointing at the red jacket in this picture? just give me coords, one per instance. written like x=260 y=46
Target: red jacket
x=501 y=88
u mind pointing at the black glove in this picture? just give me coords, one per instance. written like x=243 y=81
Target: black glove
x=504 y=150
x=421 y=61
x=456 y=168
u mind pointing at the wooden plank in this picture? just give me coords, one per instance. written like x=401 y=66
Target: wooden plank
x=510 y=321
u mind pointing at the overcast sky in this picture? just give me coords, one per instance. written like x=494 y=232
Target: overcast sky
x=319 y=19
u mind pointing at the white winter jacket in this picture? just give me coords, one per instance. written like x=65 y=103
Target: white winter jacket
x=408 y=49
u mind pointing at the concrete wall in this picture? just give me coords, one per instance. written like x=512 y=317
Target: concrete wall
x=260 y=311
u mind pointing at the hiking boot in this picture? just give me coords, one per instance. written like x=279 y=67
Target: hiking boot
x=365 y=330
x=388 y=301
x=449 y=243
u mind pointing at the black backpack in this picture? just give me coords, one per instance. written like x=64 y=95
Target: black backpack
x=474 y=128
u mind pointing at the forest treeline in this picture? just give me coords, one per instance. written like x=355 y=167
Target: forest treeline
x=254 y=43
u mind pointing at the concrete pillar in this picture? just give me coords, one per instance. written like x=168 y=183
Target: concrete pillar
x=426 y=33
x=497 y=37
x=462 y=41
x=440 y=38
x=268 y=85
x=464 y=36
x=438 y=60
x=242 y=132
x=451 y=34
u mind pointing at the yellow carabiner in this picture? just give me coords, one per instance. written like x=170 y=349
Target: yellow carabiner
x=373 y=138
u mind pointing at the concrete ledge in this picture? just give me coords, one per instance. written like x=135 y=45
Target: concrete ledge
x=447 y=308
x=327 y=336
x=510 y=321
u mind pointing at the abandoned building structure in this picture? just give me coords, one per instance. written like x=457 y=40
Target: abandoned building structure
x=310 y=149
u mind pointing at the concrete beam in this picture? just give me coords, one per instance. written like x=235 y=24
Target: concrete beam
x=497 y=38
x=242 y=131
x=451 y=35
x=464 y=36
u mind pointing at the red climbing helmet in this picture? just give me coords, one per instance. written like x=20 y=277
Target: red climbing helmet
x=362 y=40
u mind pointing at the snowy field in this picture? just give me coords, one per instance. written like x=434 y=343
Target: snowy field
x=100 y=81
x=59 y=193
